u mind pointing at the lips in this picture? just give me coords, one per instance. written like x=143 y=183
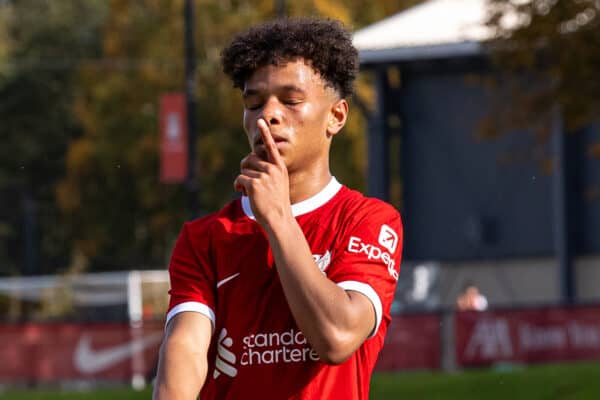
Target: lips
x=261 y=150
x=277 y=139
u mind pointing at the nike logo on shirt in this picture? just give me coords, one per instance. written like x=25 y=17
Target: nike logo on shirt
x=223 y=281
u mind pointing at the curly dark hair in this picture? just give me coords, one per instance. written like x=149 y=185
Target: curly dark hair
x=324 y=44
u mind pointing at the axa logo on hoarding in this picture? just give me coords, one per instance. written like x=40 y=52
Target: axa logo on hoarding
x=490 y=340
x=358 y=246
x=262 y=349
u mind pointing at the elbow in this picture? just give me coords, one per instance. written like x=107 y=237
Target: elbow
x=334 y=357
x=337 y=347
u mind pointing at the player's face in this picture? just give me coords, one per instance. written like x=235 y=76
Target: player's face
x=298 y=108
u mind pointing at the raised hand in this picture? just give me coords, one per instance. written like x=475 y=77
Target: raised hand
x=266 y=183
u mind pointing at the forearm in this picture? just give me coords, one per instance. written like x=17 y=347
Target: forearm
x=182 y=365
x=181 y=373
x=332 y=320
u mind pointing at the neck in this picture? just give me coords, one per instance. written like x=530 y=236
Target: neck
x=307 y=184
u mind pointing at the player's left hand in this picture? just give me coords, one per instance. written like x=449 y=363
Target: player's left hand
x=266 y=183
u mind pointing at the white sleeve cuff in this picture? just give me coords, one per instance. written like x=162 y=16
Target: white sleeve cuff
x=371 y=294
x=192 y=306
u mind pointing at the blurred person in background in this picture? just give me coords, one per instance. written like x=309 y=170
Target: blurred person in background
x=471 y=299
x=285 y=292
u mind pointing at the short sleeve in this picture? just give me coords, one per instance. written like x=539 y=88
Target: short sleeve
x=367 y=257
x=191 y=274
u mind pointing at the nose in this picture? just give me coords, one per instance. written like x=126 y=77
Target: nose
x=272 y=111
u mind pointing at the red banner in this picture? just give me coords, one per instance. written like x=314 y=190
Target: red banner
x=68 y=351
x=174 y=138
x=411 y=342
x=528 y=336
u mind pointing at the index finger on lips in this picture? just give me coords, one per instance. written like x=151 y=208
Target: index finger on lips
x=270 y=145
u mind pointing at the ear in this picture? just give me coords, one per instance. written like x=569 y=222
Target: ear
x=337 y=117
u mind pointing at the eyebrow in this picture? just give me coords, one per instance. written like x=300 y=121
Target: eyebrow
x=285 y=88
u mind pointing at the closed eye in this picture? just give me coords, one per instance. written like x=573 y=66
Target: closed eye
x=253 y=103
x=253 y=107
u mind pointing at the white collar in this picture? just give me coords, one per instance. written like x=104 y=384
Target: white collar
x=305 y=206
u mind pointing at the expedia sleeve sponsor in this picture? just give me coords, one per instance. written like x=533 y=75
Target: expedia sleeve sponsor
x=373 y=252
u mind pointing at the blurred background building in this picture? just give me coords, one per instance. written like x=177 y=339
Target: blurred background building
x=485 y=195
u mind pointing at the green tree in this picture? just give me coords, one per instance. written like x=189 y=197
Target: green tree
x=40 y=43
x=555 y=44
x=124 y=217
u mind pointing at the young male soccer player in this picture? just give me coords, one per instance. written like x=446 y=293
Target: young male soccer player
x=284 y=293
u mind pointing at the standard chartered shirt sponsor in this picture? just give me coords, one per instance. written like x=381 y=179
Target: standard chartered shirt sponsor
x=277 y=347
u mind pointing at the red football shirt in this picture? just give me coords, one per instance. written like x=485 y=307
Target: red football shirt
x=222 y=267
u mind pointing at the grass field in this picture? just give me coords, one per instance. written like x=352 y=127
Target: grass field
x=549 y=382
x=561 y=382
